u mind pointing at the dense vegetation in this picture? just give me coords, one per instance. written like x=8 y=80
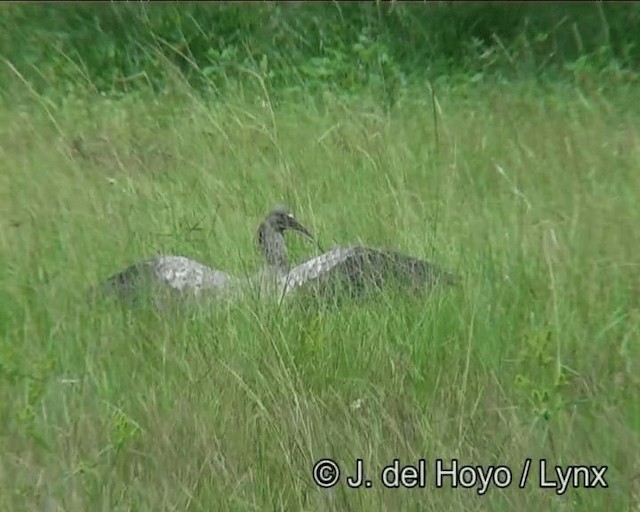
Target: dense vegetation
x=500 y=140
x=292 y=45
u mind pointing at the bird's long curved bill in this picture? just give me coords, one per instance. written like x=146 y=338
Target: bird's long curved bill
x=296 y=226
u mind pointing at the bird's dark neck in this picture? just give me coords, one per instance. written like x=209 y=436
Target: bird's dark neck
x=272 y=245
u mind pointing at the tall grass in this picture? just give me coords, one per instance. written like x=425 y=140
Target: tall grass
x=531 y=195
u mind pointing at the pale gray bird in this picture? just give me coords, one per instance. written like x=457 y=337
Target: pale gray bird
x=182 y=275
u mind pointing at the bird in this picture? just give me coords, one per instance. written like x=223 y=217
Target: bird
x=187 y=277
x=356 y=270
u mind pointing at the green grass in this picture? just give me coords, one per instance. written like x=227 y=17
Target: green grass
x=530 y=194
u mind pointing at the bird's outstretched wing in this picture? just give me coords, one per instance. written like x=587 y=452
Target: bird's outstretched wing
x=360 y=267
x=171 y=273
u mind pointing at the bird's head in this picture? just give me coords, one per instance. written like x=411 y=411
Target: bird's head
x=280 y=219
x=271 y=235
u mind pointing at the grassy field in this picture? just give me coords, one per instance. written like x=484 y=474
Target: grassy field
x=529 y=193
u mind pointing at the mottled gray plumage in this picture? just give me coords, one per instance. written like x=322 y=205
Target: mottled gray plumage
x=185 y=276
x=340 y=272
x=357 y=269
x=172 y=273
